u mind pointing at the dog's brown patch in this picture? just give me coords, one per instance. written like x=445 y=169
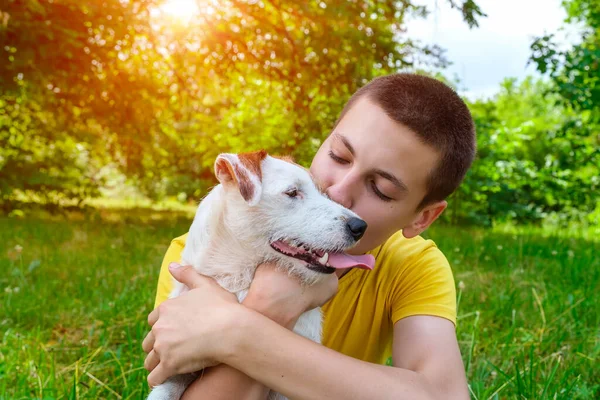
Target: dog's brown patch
x=224 y=170
x=240 y=172
x=244 y=184
x=252 y=161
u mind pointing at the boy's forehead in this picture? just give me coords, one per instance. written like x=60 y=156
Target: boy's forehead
x=387 y=149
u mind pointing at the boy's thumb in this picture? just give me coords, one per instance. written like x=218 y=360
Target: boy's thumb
x=185 y=274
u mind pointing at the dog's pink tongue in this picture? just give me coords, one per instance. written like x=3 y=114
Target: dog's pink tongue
x=343 y=260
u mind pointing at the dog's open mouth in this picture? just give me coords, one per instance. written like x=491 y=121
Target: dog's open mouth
x=321 y=260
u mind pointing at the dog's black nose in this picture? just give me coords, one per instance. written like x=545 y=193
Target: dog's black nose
x=357 y=227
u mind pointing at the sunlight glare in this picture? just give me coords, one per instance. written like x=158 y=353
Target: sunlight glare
x=183 y=10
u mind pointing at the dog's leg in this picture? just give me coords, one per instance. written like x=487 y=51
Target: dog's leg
x=309 y=325
x=241 y=295
x=276 y=396
x=172 y=388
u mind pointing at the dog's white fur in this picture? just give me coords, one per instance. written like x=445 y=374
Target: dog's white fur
x=230 y=236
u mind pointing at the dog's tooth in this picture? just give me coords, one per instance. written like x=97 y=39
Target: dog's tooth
x=323 y=260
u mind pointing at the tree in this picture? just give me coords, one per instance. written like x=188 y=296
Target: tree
x=158 y=100
x=536 y=158
x=575 y=70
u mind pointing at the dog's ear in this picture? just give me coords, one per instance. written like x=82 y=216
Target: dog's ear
x=243 y=170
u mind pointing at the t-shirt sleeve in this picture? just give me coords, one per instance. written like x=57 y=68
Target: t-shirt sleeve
x=165 y=279
x=425 y=286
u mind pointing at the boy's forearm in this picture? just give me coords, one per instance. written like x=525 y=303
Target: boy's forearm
x=225 y=382
x=304 y=370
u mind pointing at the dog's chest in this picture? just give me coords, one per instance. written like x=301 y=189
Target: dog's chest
x=233 y=274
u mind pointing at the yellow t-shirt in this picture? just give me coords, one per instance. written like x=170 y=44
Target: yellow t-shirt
x=411 y=277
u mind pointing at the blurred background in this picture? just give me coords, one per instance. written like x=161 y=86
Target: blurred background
x=112 y=113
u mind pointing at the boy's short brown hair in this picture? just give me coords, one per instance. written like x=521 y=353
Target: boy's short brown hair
x=437 y=115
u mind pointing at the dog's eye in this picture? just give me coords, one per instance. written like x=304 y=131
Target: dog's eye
x=292 y=192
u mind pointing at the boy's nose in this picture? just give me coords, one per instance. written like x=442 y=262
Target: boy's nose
x=357 y=227
x=339 y=197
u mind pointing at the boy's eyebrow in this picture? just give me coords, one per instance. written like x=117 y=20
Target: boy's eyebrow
x=345 y=141
x=397 y=182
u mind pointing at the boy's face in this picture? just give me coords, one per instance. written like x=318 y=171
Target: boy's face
x=378 y=169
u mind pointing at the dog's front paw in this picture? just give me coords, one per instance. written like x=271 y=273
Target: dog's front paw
x=276 y=396
x=172 y=389
x=162 y=392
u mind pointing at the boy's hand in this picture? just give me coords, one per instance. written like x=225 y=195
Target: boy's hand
x=282 y=298
x=192 y=331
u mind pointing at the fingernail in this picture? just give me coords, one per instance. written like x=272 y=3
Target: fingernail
x=174 y=265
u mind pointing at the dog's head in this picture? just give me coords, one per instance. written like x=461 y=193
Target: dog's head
x=274 y=205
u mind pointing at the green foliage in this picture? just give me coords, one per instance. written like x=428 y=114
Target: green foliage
x=158 y=100
x=100 y=96
x=536 y=158
x=575 y=76
x=37 y=158
x=59 y=87
x=575 y=70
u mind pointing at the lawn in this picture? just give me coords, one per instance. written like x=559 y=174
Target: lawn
x=75 y=293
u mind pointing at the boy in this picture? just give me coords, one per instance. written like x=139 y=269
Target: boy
x=401 y=146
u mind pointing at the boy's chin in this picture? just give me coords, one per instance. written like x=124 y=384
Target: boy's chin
x=360 y=249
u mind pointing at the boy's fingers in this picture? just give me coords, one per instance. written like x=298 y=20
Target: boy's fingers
x=148 y=343
x=157 y=376
x=151 y=361
x=153 y=317
x=186 y=275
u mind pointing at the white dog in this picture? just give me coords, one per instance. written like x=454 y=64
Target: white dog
x=266 y=209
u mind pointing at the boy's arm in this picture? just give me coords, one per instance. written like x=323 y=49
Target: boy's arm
x=217 y=329
x=431 y=366
x=428 y=345
x=225 y=382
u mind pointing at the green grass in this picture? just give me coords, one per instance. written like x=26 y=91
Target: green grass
x=74 y=301
x=529 y=322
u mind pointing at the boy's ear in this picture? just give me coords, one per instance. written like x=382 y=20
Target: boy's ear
x=424 y=219
x=243 y=170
